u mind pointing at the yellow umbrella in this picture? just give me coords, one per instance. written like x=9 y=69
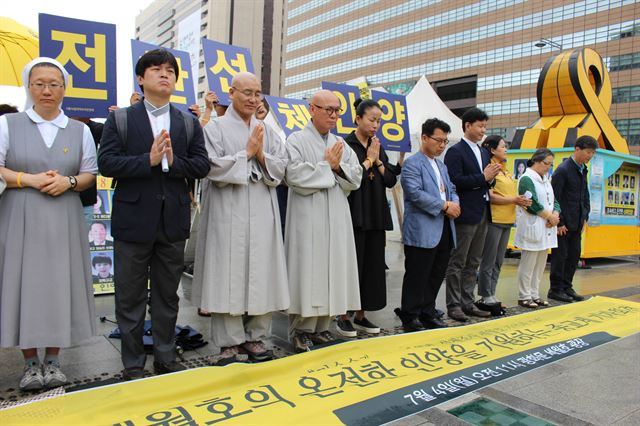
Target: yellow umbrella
x=18 y=46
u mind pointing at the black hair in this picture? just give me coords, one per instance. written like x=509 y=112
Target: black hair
x=539 y=156
x=101 y=259
x=363 y=105
x=586 y=142
x=472 y=115
x=46 y=65
x=431 y=124
x=7 y=109
x=491 y=142
x=154 y=58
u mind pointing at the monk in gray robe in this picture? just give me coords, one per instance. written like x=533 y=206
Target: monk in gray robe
x=240 y=273
x=319 y=242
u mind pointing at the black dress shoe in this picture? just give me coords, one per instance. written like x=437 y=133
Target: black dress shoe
x=431 y=323
x=132 y=373
x=168 y=367
x=559 y=296
x=413 y=325
x=575 y=296
x=439 y=313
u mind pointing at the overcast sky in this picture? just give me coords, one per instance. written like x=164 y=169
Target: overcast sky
x=122 y=13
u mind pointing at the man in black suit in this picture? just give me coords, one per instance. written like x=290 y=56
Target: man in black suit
x=150 y=218
x=473 y=175
x=572 y=193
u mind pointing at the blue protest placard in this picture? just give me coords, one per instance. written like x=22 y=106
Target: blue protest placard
x=184 y=94
x=291 y=114
x=347 y=96
x=394 y=127
x=87 y=50
x=222 y=62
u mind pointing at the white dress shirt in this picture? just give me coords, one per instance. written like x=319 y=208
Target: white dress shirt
x=436 y=170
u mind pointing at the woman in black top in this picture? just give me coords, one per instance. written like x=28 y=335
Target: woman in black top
x=370 y=215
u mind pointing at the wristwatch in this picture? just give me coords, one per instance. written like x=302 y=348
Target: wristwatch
x=73 y=182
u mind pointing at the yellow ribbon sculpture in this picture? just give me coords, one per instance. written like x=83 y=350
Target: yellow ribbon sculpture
x=574 y=98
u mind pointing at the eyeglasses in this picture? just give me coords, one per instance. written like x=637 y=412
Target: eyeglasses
x=329 y=110
x=52 y=86
x=547 y=163
x=250 y=93
x=440 y=141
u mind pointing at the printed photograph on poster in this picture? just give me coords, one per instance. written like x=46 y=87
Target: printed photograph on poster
x=519 y=167
x=102 y=267
x=99 y=236
x=622 y=193
x=102 y=207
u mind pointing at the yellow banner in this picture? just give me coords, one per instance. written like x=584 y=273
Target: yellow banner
x=365 y=381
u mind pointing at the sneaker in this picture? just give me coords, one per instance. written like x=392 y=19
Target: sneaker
x=53 y=376
x=32 y=378
x=345 y=328
x=257 y=351
x=322 y=337
x=302 y=342
x=365 y=325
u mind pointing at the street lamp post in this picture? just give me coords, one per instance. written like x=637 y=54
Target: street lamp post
x=544 y=41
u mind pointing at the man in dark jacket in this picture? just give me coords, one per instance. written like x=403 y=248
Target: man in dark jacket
x=571 y=191
x=150 y=216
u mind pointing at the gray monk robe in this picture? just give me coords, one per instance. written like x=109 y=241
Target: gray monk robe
x=321 y=253
x=240 y=264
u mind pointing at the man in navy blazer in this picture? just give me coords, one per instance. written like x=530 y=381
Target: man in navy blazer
x=428 y=230
x=472 y=174
x=150 y=219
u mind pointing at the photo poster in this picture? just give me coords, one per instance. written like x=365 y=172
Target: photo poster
x=184 y=93
x=621 y=193
x=100 y=240
x=394 y=124
x=87 y=51
x=292 y=114
x=347 y=95
x=222 y=62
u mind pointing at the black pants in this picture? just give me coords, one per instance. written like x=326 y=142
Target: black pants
x=424 y=273
x=564 y=260
x=371 y=273
x=160 y=261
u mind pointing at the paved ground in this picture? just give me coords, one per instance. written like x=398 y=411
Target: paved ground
x=598 y=387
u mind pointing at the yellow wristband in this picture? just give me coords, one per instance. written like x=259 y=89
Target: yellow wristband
x=19 y=179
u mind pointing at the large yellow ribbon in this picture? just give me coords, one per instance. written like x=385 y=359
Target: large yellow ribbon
x=574 y=98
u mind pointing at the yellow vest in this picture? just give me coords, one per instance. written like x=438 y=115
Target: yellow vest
x=506 y=187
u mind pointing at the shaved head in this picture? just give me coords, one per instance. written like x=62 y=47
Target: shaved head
x=242 y=78
x=323 y=96
x=323 y=120
x=245 y=93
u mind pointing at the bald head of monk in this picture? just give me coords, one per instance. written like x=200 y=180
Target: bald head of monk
x=245 y=94
x=325 y=109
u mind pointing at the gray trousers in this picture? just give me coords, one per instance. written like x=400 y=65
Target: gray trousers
x=495 y=245
x=231 y=330
x=135 y=264
x=463 y=264
x=298 y=323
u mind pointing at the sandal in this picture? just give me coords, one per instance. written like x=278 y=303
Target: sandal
x=541 y=302
x=528 y=304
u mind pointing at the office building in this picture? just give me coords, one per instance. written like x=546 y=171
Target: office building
x=487 y=53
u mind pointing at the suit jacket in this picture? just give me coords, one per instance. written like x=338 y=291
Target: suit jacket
x=144 y=194
x=572 y=193
x=469 y=181
x=423 y=216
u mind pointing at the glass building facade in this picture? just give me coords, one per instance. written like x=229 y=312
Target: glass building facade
x=486 y=48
